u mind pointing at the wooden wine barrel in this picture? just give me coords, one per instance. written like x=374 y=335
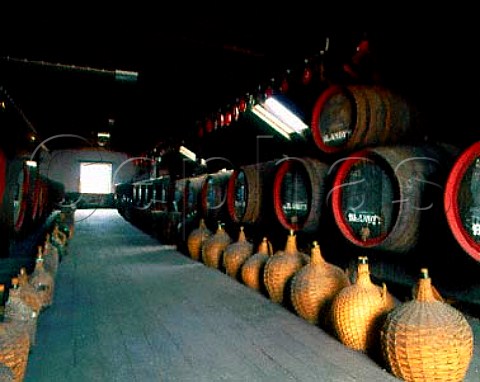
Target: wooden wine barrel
x=3 y=175
x=15 y=201
x=45 y=207
x=381 y=195
x=31 y=217
x=193 y=192
x=182 y=217
x=186 y=195
x=37 y=198
x=249 y=192
x=462 y=200
x=179 y=193
x=353 y=117
x=161 y=193
x=299 y=193
x=214 y=196
x=123 y=198
x=4 y=223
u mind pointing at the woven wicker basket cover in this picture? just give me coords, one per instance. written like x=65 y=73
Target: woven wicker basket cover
x=196 y=239
x=281 y=267
x=50 y=254
x=314 y=287
x=58 y=237
x=14 y=349
x=236 y=254
x=17 y=310
x=214 y=247
x=43 y=282
x=27 y=291
x=357 y=310
x=426 y=339
x=253 y=268
x=6 y=374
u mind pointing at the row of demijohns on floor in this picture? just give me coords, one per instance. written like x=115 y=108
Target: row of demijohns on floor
x=424 y=339
x=27 y=297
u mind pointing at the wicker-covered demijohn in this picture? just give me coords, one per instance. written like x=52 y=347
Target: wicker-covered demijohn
x=60 y=240
x=42 y=281
x=19 y=312
x=314 y=287
x=6 y=374
x=236 y=254
x=14 y=349
x=196 y=239
x=27 y=292
x=281 y=267
x=50 y=255
x=358 y=309
x=214 y=247
x=426 y=339
x=253 y=268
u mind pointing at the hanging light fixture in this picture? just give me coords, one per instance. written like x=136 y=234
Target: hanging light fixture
x=187 y=153
x=279 y=117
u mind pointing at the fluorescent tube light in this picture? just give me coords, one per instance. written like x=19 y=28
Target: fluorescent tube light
x=31 y=163
x=272 y=121
x=103 y=135
x=285 y=115
x=188 y=153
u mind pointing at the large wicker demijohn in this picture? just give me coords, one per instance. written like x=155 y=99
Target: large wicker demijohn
x=236 y=254
x=357 y=311
x=6 y=374
x=14 y=349
x=426 y=339
x=314 y=287
x=27 y=292
x=214 y=247
x=280 y=269
x=196 y=239
x=60 y=241
x=253 y=268
x=42 y=281
x=50 y=254
x=19 y=312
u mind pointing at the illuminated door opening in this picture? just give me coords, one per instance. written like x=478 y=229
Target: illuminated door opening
x=95 y=178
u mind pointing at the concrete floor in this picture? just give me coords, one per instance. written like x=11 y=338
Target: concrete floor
x=127 y=308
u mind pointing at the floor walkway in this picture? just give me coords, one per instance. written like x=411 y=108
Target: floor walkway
x=128 y=309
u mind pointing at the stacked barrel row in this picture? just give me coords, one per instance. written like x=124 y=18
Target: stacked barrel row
x=375 y=177
x=26 y=199
x=379 y=196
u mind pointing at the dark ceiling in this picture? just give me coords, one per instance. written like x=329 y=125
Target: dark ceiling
x=63 y=80
x=67 y=84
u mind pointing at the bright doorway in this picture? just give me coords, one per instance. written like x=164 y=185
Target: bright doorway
x=95 y=178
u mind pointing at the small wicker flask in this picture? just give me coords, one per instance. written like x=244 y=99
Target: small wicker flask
x=19 y=312
x=357 y=311
x=42 y=281
x=426 y=339
x=253 y=268
x=281 y=267
x=196 y=239
x=214 y=248
x=236 y=254
x=314 y=287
